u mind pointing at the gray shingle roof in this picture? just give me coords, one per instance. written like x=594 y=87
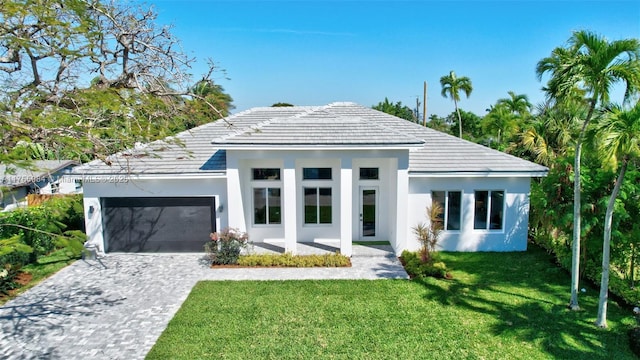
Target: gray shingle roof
x=200 y=150
x=319 y=128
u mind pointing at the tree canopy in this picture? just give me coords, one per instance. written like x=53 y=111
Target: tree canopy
x=85 y=78
x=395 y=109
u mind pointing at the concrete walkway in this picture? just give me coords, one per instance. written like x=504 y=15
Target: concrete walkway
x=117 y=306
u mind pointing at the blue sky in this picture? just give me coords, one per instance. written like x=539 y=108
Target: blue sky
x=317 y=52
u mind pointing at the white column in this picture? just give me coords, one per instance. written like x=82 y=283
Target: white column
x=402 y=200
x=289 y=203
x=346 y=206
x=234 y=206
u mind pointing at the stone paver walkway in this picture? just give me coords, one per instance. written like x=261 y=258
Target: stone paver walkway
x=117 y=306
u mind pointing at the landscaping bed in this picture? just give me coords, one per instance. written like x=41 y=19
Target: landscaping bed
x=288 y=260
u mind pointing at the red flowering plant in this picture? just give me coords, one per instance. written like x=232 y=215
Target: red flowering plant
x=225 y=246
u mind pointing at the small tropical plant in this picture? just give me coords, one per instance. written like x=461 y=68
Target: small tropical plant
x=224 y=247
x=425 y=262
x=429 y=233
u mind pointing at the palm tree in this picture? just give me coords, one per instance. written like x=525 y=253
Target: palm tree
x=590 y=64
x=501 y=121
x=516 y=103
x=451 y=87
x=551 y=133
x=619 y=136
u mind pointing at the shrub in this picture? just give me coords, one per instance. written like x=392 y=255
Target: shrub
x=8 y=276
x=40 y=227
x=417 y=269
x=634 y=340
x=224 y=247
x=289 y=260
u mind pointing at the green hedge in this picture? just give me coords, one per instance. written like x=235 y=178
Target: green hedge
x=288 y=260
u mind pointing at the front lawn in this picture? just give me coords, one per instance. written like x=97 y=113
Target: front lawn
x=498 y=306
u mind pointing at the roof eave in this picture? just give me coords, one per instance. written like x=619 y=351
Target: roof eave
x=296 y=147
x=486 y=173
x=96 y=177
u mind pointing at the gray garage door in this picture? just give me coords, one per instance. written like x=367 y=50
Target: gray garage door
x=161 y=224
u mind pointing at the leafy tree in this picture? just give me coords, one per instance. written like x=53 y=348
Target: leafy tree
x=451 y=87
x=438 y=123
x=142 y=90
x=589 y=65
x=619 y=143
x=281 y=104
x=471 y=124
x=395 y=109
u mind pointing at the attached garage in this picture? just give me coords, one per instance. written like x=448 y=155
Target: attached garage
x=157 y=224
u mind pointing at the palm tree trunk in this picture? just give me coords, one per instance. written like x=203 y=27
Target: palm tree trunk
x=601 y=321
x=575 y=258
x=455 y=103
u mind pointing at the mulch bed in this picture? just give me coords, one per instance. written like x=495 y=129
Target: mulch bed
x=22 y=279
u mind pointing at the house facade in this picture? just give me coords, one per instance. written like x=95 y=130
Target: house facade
x=337 y=173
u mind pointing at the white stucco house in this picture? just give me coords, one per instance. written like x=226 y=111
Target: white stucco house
x=337 y=173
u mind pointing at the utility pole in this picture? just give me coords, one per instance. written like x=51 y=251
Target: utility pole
x=424 y=106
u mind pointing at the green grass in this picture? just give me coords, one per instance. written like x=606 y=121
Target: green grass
x=45 y=266
x=499 y=306
x=369 y=243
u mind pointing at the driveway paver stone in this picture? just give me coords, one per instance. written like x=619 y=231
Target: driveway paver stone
x=117 y=306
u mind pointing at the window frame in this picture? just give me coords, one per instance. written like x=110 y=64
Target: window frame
x=266 y=184
x=445 y=208
x=369 y=169
x=268 y=207
x=318 y=208
x=307 y=173
x=255 y=171
x=489 y=208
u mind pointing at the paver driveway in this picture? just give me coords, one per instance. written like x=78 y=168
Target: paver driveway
x=117 y=307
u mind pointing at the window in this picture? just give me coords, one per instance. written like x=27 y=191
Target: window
x=316 y=173
x=369 y=174
x=488 y=210
x=317 y=205
x=266 y=206
x=451 y=203
x=266 y=174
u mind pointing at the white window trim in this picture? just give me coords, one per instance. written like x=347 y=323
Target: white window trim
x=317 y=187
x=266 y=184
x=253 y=203
x=446 y=208
x=489 y=204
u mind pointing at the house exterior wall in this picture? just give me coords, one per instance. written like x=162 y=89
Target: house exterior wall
x=401 y=200
x=512 y=237
x=345 y=196
x=121 y=186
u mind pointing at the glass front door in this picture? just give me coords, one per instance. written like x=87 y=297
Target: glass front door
x=368 y=212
